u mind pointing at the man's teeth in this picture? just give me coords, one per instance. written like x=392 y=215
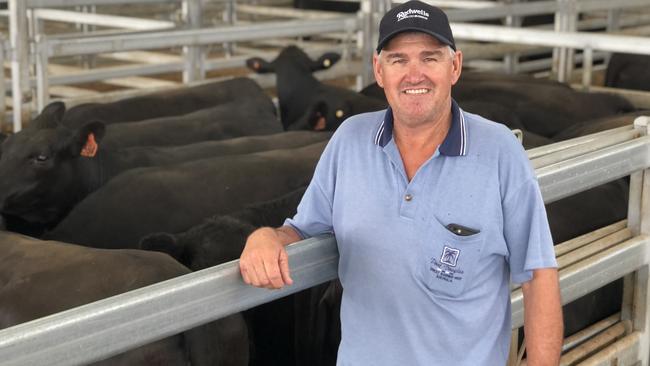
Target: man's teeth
x=416 y=91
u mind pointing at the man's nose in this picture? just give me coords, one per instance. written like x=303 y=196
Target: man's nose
x=415 y=73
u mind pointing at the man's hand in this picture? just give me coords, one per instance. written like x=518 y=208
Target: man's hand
x=264 y=261
x=543 y=318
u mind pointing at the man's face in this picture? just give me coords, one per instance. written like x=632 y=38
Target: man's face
x=417 y=73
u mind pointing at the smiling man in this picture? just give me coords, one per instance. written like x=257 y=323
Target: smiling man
x=435 y=210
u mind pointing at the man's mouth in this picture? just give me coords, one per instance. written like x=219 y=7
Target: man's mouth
x=416 y=91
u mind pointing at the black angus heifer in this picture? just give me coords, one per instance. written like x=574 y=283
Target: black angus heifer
x=39 y=278
x=542 y=108
x=46 y=197
x=234 y=119
x=599 y=124
x=47 y=169
x=628 y=71
x=283 y=332
x=174 y=198
x=305 y=102
x=171 y=102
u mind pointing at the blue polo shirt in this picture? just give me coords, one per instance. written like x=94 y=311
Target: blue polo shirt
x=414 y=292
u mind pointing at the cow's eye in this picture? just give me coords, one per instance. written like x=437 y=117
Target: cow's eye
x=41 y=158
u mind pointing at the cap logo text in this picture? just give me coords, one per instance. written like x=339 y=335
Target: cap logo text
x=412 y=13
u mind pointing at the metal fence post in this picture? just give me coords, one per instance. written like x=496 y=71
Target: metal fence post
x=193 y=54
x=3 y=87
x=229 y=16
x=565 y=21
x=19 y=59
x=42 y=77
x=511 y=60
x=364 y=40
x=636 y=285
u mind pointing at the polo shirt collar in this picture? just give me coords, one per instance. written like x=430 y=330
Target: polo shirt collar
x=455 y=143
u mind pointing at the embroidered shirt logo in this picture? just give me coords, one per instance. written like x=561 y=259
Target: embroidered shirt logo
x=449 y=256
x=412 y=13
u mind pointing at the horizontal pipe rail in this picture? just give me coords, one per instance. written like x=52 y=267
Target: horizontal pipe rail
x=590 y=170
x=592 y=273
x=566 y=144
x=166 y=39
x=549 y=38
x=578 y=150
x=113 y=21
x=576 y=339
x=156 y=311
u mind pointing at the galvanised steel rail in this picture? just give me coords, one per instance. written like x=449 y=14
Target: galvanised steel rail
x=205 y=36
x=173 y=306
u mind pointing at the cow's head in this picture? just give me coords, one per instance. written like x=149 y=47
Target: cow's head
x=333 y=106
x=38 y=165
x=293 y=58
x=217 y=240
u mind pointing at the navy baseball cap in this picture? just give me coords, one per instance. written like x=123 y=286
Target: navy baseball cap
x=415 y=16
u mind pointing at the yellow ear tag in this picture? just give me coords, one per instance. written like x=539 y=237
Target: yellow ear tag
x=327 y=62
x=339 y=113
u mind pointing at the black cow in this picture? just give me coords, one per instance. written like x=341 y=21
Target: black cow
x=173 y=102
x=47 y=170
x=249 y=116
x=40 y=278
x=598 y=125
x=283 y=332
x=305 y=102
x=327 y=5
x=545 y=109
x=628 y=71
x=2 y=137
x=174 y=198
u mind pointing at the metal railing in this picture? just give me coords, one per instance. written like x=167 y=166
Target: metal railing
x=173 y=306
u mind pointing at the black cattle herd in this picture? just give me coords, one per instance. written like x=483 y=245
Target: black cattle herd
x=102 y=189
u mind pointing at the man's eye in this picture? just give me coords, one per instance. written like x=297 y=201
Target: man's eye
x=399 y=61
x=430 y=59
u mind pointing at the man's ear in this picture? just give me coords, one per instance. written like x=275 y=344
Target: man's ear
x=325 y=61
x=376 y=69
x=260 y=65
x=85 y=141
x=457 y=64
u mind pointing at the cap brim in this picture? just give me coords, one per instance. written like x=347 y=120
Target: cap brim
x=382 y=43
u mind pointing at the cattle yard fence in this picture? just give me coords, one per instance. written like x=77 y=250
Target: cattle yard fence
x=29 y=49
x=586 y=263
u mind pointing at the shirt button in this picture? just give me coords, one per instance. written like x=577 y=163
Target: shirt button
x=408 y=198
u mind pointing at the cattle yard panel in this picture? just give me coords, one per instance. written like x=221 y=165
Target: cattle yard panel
x=170 y=307
x=194 y=65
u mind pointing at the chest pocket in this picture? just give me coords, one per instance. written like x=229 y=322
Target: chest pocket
x=450 y=260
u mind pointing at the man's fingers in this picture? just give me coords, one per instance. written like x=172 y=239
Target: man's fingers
x=284 y=267
x=244 y=273
x=273 y=274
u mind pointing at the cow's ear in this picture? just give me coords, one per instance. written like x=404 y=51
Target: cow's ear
x=326 y=61
x=163 y=242
x=50 y=116
x=259 y=65
x=85 y=141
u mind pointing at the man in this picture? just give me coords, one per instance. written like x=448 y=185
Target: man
x=434 y=211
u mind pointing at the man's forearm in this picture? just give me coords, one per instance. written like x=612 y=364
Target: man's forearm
x=543 y=318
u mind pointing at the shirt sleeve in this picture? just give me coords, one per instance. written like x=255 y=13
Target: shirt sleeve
x=527 y=232
x=314 y=214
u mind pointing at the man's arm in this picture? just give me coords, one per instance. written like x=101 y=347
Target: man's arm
x=264 y=261
x=543 y=324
